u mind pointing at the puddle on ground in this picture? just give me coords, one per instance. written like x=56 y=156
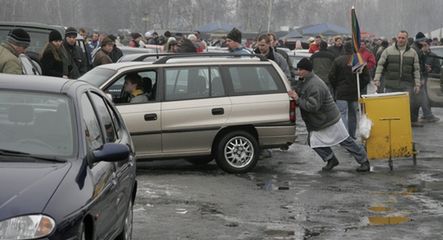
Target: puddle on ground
x=387 y=220
x=379 y=209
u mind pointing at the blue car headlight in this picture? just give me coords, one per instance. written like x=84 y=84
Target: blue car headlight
x=26 y=227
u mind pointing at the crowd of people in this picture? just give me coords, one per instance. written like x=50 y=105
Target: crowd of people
x=402 y=64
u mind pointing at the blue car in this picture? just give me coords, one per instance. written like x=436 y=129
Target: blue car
x=67 y=162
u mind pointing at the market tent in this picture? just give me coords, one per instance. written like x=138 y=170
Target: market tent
x=324 y=29
x=293 y=34
x=215 y=28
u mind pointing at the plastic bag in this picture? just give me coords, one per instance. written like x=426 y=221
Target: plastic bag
x=371 y=88
x=364 y=127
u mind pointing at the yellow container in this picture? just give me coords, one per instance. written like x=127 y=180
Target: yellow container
x=388 y=110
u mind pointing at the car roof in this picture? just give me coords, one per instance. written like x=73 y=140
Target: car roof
x=34 y=83
x=119 y=65
x=32 y=25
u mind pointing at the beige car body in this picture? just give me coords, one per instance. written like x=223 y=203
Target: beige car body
x=188 y=128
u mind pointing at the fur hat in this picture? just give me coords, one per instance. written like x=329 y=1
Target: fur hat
x=55 y=35
x=71 y=32
x=19 y=37
x=234 y=35
x=305 y=64
x=420 y=37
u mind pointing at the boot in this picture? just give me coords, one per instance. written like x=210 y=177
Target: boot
x=364 y=167
x=330 y=165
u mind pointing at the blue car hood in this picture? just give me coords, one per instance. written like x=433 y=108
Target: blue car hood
x=26 y=188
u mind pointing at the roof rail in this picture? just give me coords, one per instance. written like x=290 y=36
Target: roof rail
x=146 y=55
x=165 y=59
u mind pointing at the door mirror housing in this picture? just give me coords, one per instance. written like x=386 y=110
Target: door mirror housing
x=111 y=152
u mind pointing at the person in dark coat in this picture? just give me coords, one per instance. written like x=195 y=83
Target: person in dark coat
x=52 y=56
x=102 y=55
x=337 y=48
x=264 y=47
x=116 y=52
x=322 y=118
x=322 y=62
x=344 y=83
x=186 y=46
x=75 y=59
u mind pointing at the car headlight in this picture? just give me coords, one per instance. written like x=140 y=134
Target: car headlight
x=26 y=227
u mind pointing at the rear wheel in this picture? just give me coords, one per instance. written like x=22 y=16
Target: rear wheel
x=126 y=233
x=237 y=152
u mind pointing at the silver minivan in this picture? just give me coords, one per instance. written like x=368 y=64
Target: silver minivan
x=203 y=107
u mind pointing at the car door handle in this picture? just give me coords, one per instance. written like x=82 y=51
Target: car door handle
x=218 y=111
x=151 y=117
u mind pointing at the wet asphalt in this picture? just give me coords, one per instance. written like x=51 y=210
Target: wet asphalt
x=288 y=197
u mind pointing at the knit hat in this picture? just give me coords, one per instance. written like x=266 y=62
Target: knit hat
x=234 y=35
x=420 y=37
x=55 y=35
x=19 y=37
x=70 y=31
x=305 y=64
x=106 y=41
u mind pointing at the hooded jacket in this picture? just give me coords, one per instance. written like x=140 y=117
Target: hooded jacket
x=316 y=104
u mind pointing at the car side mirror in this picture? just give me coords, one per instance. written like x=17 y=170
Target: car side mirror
x=111 y=152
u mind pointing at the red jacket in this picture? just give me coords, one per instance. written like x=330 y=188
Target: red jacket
x=368 y=57
x=313 y=47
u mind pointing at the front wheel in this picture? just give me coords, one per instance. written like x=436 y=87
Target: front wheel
x=237 y=152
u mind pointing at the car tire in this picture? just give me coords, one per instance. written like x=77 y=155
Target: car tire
x=126 y=233
x=200 y=161
x=237 y=152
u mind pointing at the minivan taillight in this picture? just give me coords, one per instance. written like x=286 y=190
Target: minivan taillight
x=292 y=107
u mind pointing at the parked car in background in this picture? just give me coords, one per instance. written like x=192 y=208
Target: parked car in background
x=203 y=106
x=67 y=162
x=435 y=81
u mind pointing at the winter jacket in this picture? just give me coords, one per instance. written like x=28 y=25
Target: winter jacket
x=9 y=62
x=115 y=54
x=400 y=71
x=337 y=51
x=288 y=61
x=316 y=104
x=49 y=64
x=277 y=58
x=322 y=63
x=369 y=58
x=100 y=58
x=344 y=81
x=76 y=61
x=433 y=60
x=313 y=48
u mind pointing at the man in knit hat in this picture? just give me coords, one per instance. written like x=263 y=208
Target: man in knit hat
x=16 y=43
x=233 y=41
x=322 y=118
x=76 y=60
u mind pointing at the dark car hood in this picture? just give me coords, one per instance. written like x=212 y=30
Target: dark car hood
x=27 y=187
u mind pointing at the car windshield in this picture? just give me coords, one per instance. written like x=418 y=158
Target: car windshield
x=97 y=76
x=36 y=123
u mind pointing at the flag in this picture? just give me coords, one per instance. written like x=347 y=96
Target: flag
x=356 y=61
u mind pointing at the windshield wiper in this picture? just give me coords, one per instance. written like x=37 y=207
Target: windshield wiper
x=12 y=153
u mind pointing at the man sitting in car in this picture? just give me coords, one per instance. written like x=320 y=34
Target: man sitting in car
x=134 y=86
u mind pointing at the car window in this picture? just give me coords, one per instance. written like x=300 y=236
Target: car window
x=193 y=83
x=145 y=92
x=254 y=79
x=105 y=117
x=38 y=38
x=93 y=133
x=37 y=123
x=97 y=76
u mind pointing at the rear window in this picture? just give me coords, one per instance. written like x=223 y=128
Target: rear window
x=255 y=79
x=97 y=76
